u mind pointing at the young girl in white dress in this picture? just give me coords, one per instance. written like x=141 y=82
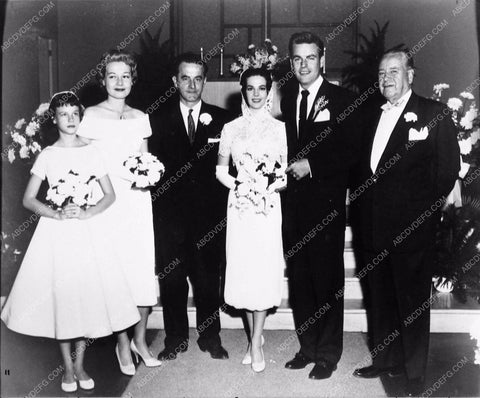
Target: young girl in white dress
x=119 y=130
x=254 y=249
x=68 y=286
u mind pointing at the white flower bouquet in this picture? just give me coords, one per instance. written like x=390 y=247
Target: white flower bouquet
x=465 y=116
x=73 y=188
x=255 y=176
x=145 y=169
x=257 y=57
x=25 y=137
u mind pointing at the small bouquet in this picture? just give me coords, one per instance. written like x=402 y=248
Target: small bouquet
x=257 y=57
x=145 y=169
x=25 y=137
x=73 y=188
x=255 y=177
x=466 y=119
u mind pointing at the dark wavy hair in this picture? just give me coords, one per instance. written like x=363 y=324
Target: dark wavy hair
x=306 y=38
x=118 y=56
x=254 y=72
x=189 y=58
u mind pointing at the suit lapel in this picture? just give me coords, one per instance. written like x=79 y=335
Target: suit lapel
x=323 y=90
x=178 y=126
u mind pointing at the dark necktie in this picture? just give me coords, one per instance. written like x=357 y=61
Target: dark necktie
x=191 y=127
x=303 y=114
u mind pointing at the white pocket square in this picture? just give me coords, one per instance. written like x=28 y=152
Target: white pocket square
x=322 y=116
x=213 y=140
x=415 y=135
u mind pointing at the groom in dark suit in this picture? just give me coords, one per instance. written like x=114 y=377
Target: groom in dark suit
x=322 y=143
x=189 y=207
x=410 y=163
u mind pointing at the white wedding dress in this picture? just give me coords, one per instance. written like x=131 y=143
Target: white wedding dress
x=254 y=249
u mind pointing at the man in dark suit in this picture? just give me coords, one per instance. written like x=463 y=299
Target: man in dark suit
x=410 y=163
x=189 y=210
x=322 y=143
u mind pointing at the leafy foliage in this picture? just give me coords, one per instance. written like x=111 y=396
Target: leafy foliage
x=362 y=73
x=458 y=248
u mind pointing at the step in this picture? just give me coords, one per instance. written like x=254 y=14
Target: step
x=447 y=315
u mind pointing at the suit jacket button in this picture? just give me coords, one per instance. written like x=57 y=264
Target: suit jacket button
x=374 y=178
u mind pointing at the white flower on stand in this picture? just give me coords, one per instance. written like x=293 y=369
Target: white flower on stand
x=11 y=155
x=20 y=123
x=23 y=152
x=454 y=103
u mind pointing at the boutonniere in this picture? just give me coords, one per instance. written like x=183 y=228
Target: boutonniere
x=418 y=135
x=319 y=105
x=410 y=117
x=205 y=119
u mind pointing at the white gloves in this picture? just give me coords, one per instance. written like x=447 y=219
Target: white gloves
x=226 y=179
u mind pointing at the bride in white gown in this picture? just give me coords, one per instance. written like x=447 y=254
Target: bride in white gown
x=256 y=142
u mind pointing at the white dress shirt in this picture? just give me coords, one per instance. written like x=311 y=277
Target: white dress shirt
x=388 y=120
x=195 y=114
x=313 y=90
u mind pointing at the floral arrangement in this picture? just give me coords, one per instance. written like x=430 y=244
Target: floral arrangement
x=466 y=118
x=257 y=57
x=145 y=169
x=73 y=188
x=25 y=136
x=254 y=178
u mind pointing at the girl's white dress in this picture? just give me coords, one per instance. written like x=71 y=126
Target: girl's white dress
x=69 y=284
x=131 y=214
x=254 y=249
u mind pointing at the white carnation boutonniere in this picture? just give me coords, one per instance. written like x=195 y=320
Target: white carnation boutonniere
x=320 y=105
x=410 y=117
x=205 y=119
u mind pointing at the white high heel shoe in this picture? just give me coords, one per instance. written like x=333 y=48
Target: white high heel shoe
x=247 y=359
x=129 y=369
x=69 y=387
x=259 y=366
x=88 y=384
x=149 y=362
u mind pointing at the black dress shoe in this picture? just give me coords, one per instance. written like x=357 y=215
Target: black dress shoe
x=322 y=370
x=170 y=353
x=370 y=372
x=298 y=362
x=415 y=387
x=216 y=350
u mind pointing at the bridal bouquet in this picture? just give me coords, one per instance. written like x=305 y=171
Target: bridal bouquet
x=73 y=188
x=145 y=169
x=255 y=176
x=25 y=136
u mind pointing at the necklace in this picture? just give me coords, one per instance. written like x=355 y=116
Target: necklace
x=121 y=114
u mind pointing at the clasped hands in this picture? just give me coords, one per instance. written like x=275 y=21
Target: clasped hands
x=299 y=169
x=72 y=210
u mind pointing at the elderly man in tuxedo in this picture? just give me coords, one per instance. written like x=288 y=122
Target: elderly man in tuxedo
x=188 y=204
x=322 y=145
x=410 y=163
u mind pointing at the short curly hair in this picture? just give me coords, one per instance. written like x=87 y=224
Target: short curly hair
x=118 y=56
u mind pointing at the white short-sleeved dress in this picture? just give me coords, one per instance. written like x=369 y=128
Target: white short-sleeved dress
x=131 y=214
x=254 y=249
x=69 y=284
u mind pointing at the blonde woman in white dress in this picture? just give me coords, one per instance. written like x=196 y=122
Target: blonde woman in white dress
x=119 y=131
x=254 y=249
